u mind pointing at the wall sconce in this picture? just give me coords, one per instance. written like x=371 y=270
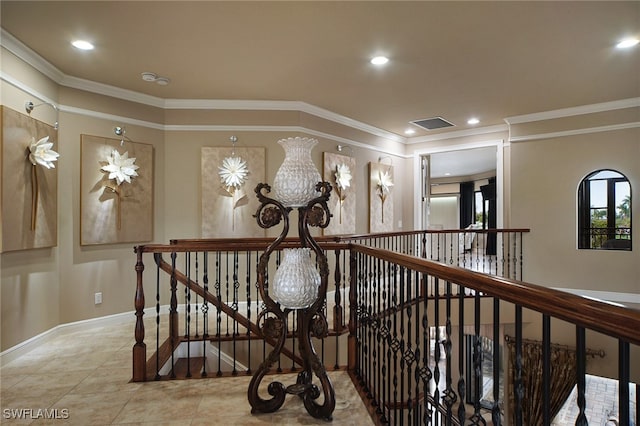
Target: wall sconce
x=121 y=131
x=346 y=147
x=297 y=285
x=30 y=106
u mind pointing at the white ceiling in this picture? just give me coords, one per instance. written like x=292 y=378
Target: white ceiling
x=452 y=59
x=466 y=162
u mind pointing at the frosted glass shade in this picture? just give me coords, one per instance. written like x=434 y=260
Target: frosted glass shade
x=296 y=179
x=296 y=281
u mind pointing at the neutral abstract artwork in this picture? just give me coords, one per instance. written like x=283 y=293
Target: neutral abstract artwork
x=229 y=178
x=29 y=172
x=381 y=182
x=339 y=170
x=116 y=191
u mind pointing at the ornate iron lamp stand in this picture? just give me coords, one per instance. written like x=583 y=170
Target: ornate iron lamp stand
x=310 y=320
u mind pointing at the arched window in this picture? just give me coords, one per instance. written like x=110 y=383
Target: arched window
x=604 y=211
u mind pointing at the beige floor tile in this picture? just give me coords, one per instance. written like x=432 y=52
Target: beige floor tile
x=88 y=373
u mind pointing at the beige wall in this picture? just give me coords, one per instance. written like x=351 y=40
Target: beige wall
x=544 y=178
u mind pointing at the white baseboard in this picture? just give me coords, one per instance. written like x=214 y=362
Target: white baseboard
x=28 y=345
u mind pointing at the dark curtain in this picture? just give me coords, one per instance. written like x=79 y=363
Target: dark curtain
x=467 y=212
x=489 y=194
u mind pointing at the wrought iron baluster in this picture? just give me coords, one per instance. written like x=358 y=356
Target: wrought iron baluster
x=205 y=311
x=218 y=289
x=418 y=352
x=581 y=367
x=338 y=312
x=195 y=305
x=518 y=386
x=624 y=416
x=395 y=346
x=495 y=409
x=186 y=295
x=521 y=258
x=449 y=396
x=173 y=313
x=367 y=336
x=409 y=352
x=375 y=319
x=226 y=286
x=234 y=306
x=188 y=309
x=436 y=349
x=462 y=388
x=385 y=352
x=477 y=418
x=546 y=369
x=248 y=290
x=426 y=375
x=503 y=256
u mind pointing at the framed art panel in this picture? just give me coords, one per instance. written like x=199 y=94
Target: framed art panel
x=380 y=197
x=29 y=182
x=229 y=201
x=339 y=170
x=116 y=191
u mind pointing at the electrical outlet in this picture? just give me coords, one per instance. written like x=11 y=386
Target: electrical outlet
x=98 y=298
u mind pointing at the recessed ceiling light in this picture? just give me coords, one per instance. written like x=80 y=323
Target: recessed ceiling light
x=627 y=42
x=409 y=132
x=473 y=121
x=379 y=60
x=82 y=45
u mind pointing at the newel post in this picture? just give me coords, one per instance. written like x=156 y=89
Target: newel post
x=139 y=348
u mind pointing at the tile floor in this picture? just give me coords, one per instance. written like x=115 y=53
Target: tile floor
x=82 y=378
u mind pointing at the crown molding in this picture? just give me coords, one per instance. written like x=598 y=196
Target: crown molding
x=281 y=106
x=117 y=119
x=579 y=110
x=111 y=91
x=552 y=135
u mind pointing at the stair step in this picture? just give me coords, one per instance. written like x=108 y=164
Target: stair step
x=184 y=365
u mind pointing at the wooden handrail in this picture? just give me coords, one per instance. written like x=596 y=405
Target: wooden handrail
x=601 y=316
x=260 y=243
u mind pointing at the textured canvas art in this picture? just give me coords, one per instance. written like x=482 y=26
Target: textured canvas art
x=29 y=182
x=229 y=202
x=116 y=191
x=339 y=171
x=381 y=182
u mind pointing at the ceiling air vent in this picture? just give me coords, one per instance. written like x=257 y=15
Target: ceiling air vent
x=432 y=123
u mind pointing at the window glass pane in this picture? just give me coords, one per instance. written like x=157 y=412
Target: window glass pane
x=598 y=193
x=623 y=205
x=605 y=174
x=598 y=218
x=478 y=204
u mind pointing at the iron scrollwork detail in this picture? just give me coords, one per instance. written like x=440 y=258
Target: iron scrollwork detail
x=311 y=322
